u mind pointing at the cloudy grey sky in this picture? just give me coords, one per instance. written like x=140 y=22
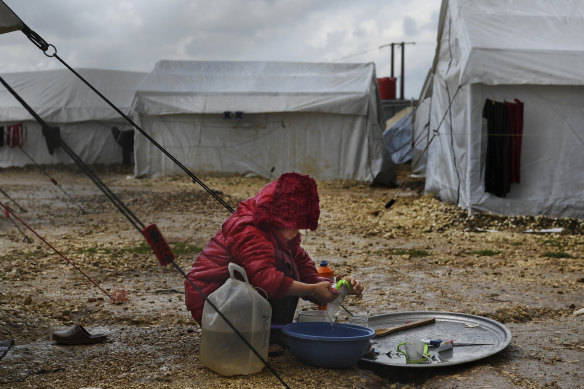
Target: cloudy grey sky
x=135 y=34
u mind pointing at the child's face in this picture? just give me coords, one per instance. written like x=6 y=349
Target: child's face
x=289 y=233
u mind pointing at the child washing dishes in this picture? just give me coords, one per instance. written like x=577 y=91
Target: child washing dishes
x=263 y=237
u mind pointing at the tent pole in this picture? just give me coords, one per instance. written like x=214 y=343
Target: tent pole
x=401 y=82
x=469 y=143
x=392 y=56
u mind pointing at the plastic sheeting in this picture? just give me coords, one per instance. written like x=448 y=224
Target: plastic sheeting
x=61 y=99
x=398 y=139
x=324 y=119
x=502 y=51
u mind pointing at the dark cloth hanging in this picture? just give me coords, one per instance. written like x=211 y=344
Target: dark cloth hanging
x=126 y=140
x=52 y=138
x=516 y=138
x=1 y=136
x=513 y=111
x=497 y=169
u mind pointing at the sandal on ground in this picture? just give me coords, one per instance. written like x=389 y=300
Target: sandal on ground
x=77 y=335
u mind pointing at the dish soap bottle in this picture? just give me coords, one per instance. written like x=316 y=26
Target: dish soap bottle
x=325 y=271
x=343 y=287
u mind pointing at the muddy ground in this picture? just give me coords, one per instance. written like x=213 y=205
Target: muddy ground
x=420 y=254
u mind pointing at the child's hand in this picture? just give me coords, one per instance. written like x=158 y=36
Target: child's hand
x=356 y=287
x=323 y=293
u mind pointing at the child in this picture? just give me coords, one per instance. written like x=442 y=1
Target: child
x=263 y=237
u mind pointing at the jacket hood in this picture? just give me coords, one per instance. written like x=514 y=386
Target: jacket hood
x=291 y=201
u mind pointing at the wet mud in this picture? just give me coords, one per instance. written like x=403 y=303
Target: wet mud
x=419 y=255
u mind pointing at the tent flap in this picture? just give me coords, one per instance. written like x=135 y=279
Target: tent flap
x=8 y=20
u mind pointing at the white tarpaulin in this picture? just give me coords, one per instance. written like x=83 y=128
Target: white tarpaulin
x=61 y=99
x=529 y=50
x=262 y=118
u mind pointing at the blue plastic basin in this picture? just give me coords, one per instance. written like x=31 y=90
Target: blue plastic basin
x=329 y=345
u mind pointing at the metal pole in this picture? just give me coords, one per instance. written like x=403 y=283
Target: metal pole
x=392 y=46
x=401 y=85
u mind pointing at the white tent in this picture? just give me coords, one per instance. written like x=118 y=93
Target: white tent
x=530 y=50
x=61 y=99
x=262 y=119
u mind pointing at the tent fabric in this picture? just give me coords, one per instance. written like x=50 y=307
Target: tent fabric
x=506 y=50
x=421 y=126
x=63 y=100
x=184 y=87
x=498 y=40
x=8 y=20
x=421 y=134
x=320 y=119
x=58 y=96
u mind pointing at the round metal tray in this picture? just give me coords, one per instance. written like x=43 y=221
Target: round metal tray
x=461 y=328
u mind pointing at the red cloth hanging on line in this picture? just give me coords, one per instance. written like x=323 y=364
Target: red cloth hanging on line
x=15 y=135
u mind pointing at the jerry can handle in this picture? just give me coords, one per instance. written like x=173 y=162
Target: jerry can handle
x=233 y=267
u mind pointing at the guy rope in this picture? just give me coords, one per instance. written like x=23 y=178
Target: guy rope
x=151 y=233
x=53 y=180
x=11 y=199
x=117 y=298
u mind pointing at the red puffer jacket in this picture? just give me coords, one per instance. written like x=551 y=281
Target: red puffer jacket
x=249 y=238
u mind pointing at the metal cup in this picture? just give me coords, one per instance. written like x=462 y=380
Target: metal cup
x=416 y=351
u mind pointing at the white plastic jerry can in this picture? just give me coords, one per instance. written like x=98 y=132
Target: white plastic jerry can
x=222 y=350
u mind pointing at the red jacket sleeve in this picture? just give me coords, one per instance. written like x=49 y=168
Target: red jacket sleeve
x=307 y=268
x=254 y=251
